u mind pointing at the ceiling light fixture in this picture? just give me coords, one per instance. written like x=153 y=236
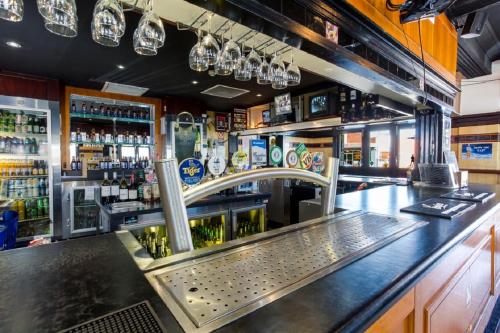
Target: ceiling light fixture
x=259 y=95
x=13 y=44
x=120 y=67
x=194 y=82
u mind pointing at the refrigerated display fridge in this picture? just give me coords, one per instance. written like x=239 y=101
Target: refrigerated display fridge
x=248 y=221
x=206 y=230
x=28 y=157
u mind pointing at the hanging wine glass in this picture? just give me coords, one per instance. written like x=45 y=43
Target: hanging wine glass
x=253 y=60
x=277 y=73
x=242 y=72
x=108 y=23
x=232 y=51
x=150 y=28
x=12 y=10
x=223 y=65
x=143 y=46
x=263 y=75
x=60 y=16
x=197 y=62
x=210 y=46
x=293 y=73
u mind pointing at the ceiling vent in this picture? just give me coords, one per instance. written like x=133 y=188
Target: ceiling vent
x=224 y=91
x=124 y=89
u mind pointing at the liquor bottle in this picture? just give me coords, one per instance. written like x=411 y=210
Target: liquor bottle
x=78 y=135
x=84 y=108
x=19 y=123
x=78 y=164
x=92 y=109
x=197 y=144
x=30 y=124
x=36 y=125
x=102 y=111
x=115 y=189
x=108 y=112
x=132 y=189
x=73 y=107
x=105 y=190
x=123 y=189
x=73 y=164
x=140 y=185
x=147 y=192
x=155 y=190
x=43 y=127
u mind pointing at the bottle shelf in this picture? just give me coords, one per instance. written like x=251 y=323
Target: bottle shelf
x=87 y=116
x=20 y=156
x=24 y=198
x=23 y=177
x=23 y=135
x=38 y=219
x=111 y=144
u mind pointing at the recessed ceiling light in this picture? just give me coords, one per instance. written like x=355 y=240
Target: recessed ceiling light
x=259 y=95
x=120 y=66
x=14 y=44
x=194 y=82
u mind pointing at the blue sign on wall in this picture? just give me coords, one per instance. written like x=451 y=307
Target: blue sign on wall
x=477 y=151
x=191 y=171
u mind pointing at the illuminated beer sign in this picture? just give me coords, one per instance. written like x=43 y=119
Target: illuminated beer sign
x=191 y=171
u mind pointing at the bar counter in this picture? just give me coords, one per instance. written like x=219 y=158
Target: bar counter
x=56 y=286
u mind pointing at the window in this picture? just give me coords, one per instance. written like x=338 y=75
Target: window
x=406 y=146
x=351 y=146
x=380 y=148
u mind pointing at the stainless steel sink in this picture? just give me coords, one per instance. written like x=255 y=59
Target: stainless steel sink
x=209 y=292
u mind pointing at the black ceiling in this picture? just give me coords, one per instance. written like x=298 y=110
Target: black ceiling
x=82 y=62
x=475 y=55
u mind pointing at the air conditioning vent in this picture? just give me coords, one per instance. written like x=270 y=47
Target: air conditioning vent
x=224 y=91
x=124 y=89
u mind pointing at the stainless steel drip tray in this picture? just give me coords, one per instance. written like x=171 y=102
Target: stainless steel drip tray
x=207 y=293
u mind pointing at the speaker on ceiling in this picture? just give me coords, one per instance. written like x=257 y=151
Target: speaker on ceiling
x=474 y=24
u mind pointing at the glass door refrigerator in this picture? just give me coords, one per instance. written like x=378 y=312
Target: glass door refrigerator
x=248 y=221
x=26 y=171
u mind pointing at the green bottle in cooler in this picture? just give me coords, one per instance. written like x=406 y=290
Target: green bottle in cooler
x=34 y=209
x=40 y=207
x=45 y=206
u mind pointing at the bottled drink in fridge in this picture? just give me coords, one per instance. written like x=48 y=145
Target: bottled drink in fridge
x=105 y=190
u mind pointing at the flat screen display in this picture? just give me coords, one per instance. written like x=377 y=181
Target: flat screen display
x=319 y=104
x=283 y=104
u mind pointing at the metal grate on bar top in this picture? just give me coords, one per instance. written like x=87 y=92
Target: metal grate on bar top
x=207 y=293
x=137 y=318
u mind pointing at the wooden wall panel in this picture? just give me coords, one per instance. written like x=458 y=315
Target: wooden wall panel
x=439 y=39
x=20 y=85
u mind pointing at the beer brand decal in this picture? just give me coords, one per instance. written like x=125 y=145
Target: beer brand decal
x=191 y=171
x=275 y=155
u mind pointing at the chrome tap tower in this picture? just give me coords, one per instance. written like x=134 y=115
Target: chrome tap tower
x=174 y=200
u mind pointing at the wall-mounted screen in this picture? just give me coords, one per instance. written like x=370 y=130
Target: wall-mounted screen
x=318 y=104
x=283 y=104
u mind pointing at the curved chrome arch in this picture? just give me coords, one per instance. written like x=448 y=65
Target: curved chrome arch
x=215 y=186
x=174 y=200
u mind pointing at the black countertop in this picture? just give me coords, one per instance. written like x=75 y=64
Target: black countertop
x=56 y=286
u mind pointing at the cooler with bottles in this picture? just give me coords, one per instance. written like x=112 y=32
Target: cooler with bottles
x=25 y=168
